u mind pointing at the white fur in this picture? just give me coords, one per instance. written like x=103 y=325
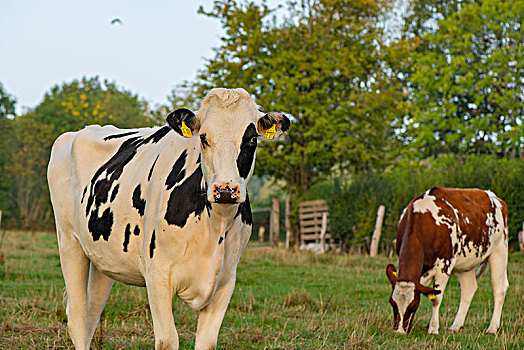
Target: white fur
x=403 y=295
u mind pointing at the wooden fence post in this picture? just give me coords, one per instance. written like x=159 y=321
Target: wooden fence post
x=373 y=249
x=261 y=231
x=521 y=238
x=323 y=233
x=286 y=221
x=274 y=228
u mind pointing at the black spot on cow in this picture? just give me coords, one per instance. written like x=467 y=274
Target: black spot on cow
x=117 y=136
x=152 y=167
x=152 y=245
x=107 y=174
x=83 y=194
x=247 y=150
x=158 y=135
x=187 y=198
x=244 y=210
x=113 y=169
x=177 y=172
x=100 y=226
x=136 y=231
x=127 y=234
x=220 y=239
x=115 y=191
x=138 y=203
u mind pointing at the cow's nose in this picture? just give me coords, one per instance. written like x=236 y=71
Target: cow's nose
x=226 y=193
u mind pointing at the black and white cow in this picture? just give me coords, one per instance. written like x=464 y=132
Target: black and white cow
x=166 y=208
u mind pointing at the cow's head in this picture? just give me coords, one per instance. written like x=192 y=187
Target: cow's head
x=405 y=299
x=228 y=125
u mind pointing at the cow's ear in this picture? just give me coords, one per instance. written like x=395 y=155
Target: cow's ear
x=183 y=121
x=391 y=272
x=272 y=125
x=427 y=291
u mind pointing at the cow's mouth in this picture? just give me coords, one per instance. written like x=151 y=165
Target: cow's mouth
x=226 y=194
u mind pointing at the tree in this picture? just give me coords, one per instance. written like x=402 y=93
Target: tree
x=71 y=106
x=7 y=103
x=322 y=62
x=469 y=93
x=7 y=111
x=67 y=107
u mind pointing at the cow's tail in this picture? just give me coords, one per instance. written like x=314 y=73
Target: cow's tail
x=482 y=268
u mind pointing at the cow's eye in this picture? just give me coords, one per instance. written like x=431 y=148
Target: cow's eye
x=253 y=140
x=203 y=141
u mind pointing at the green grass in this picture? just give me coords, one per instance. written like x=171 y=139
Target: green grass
x=282 y=301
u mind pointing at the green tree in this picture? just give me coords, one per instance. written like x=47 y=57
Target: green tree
x=468 y=95
x=71 y=106
x=7 y=111
x=322 y=62
x=67 y=107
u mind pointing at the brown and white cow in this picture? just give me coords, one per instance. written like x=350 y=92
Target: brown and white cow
x=442 y=231
x=165 y=208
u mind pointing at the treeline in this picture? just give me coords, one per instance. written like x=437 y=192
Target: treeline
x=370 y=86
x=354 y=203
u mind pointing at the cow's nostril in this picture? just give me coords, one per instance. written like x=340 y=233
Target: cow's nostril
x=226 y=193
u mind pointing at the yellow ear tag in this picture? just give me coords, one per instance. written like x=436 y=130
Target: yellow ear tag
x=185 y=130
x=395 y=274
x=431 y=296
x=270 y=133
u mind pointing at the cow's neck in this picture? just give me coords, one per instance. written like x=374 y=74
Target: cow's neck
x=220 y=219
x=411 y=259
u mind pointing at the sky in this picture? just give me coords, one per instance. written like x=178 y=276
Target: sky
x=158 y=45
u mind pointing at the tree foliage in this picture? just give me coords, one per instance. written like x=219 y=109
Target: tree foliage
x=354 y=220
x=469 y=93
x=66 y=107
x=322 y=63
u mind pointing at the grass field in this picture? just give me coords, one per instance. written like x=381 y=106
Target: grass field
x=282 y=301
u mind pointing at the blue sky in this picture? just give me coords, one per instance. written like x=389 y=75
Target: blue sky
x=159 y=44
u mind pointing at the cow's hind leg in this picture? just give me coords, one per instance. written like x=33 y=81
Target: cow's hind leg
x=468 y=287
x=75 y=268
x=97 y=292
x=498 y=262
x=211 y=316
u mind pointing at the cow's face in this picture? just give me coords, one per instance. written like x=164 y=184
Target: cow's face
x=405 y=299
x=228 y=126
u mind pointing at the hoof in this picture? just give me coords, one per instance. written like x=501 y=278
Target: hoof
x=491 y=331
x=455 y=329
x=433 y=331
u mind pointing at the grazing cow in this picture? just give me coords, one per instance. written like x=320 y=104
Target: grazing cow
x=442 y=231
x=165 y=208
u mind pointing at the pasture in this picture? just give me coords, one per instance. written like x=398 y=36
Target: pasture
x=282 y=301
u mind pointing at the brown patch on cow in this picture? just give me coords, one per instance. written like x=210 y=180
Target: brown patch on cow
x=428 y=241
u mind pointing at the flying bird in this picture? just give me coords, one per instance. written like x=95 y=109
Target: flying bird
x=115 y=21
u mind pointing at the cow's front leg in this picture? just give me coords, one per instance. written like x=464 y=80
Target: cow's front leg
x=211 y=316
x=160 y=297
x=468 y=286
x=441 y=280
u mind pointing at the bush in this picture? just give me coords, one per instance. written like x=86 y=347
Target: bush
x=353 y=204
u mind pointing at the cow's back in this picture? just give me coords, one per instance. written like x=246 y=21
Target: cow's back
x=458 y=227
x=93 y=177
